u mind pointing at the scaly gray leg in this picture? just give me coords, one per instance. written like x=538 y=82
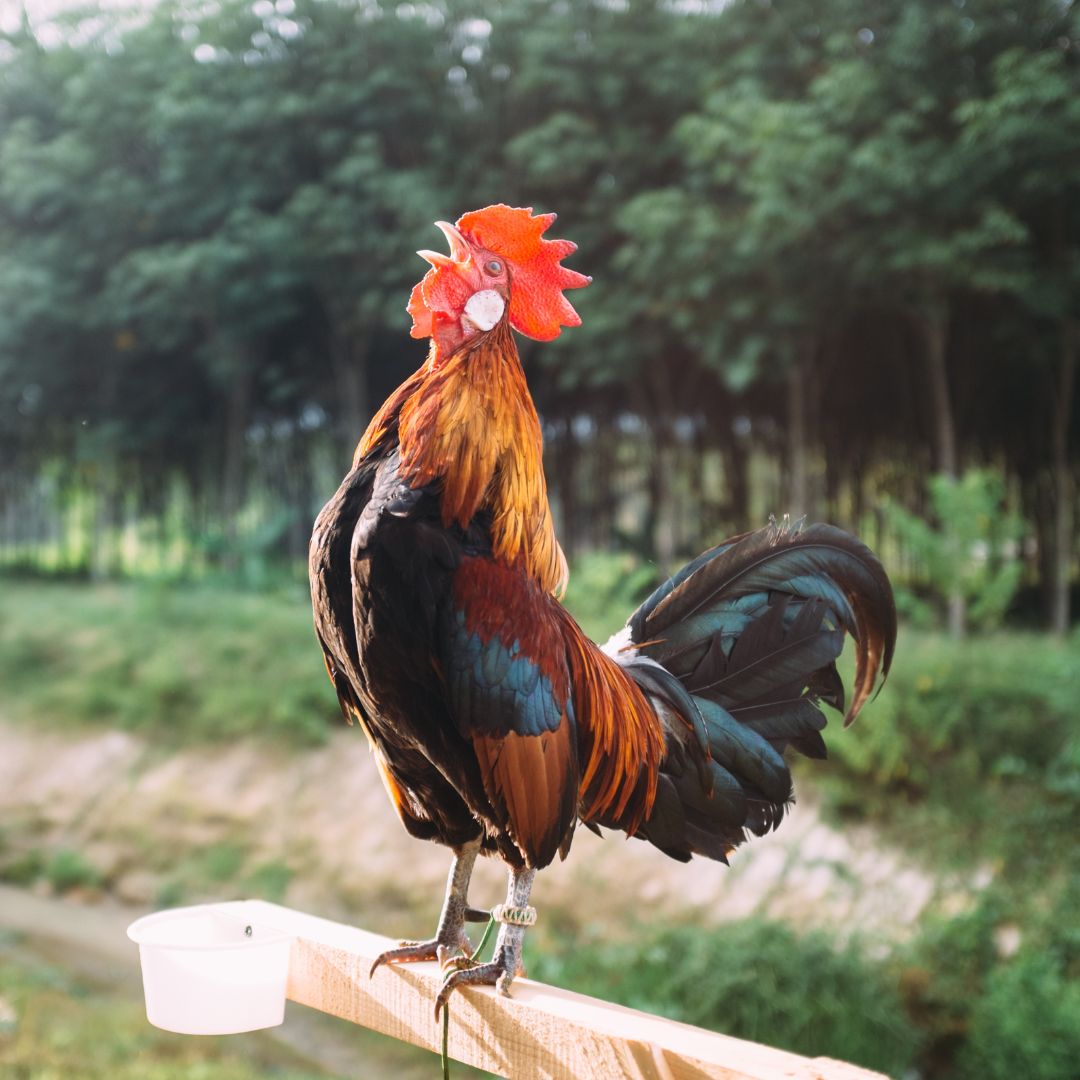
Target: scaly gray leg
x=505 y=963
x=450 y=937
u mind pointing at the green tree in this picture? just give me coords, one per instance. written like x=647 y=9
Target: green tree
x=970 y=547
x=1026 y=131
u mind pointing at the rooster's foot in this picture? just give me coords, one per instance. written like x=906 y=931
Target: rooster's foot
x=500 y=972
x=514 y=917
x=450 y=939
x=411 y=952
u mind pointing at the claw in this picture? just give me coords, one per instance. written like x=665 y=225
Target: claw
x=494 y=974
x=411 y=952
x=450 y=937
x=456 y=963
x=505 y=963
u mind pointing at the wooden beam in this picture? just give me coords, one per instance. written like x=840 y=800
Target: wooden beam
x=540 y=1031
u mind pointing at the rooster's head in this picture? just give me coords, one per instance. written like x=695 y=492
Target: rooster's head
x=499 y=267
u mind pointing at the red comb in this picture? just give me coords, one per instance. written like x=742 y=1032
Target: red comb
x=538 y=308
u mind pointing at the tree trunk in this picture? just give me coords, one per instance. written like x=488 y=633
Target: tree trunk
x=349 y=358
x=935 y=328
x=656 y=528
x=858 y=495
x=736 y=477
x=1064 y=494
x=565 y=488
x=103 y=544
x=657 y=404
x=604 y=484
x=800 y=495
x=237 y=406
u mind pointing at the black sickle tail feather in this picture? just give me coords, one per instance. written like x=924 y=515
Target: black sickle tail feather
x=738 y=649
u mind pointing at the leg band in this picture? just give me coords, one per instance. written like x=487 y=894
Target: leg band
x=514 y=916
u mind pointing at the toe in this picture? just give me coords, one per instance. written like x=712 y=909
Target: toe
x=407 y=952
x=468 y=974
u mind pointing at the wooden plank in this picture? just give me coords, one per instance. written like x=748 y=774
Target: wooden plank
x=540 y=1031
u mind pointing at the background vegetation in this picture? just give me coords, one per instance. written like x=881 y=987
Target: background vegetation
x=835 y=246
x=836 y=251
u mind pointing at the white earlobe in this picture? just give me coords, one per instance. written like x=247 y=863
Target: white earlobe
x=485 y=309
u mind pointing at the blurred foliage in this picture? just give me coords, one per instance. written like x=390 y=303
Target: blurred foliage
x=61 y=1028
x=24 y=868
x=970 y=547
x=971 y=749
x=68 y=870
x=56 y=1027
x=605 y=589
x=970 y=759
x=755 y=980
x=187 y=664
x=268 y=881
x=207 y=214
x=993 y=988
x=1027 y=1023
x=989 y=992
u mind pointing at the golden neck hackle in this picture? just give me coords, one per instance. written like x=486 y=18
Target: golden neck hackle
x=469 y=422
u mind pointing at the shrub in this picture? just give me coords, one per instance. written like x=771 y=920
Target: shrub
x=969 y=550
x=184 y=665
x=24 y=868
x=1026 y=1024
x=990 y=987
x=69 y=870
x=604 y=589
x=756 y=980
x=269 y=881
x=972 y=747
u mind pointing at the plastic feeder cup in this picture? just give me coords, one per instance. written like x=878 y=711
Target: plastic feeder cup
x=209 y=970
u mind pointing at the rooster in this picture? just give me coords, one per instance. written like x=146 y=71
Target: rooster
x=495 y=723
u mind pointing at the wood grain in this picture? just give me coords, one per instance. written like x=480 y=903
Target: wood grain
x=540 y=1032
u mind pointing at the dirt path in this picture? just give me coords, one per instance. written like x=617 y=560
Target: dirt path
x=89 y=941
x=144 y=820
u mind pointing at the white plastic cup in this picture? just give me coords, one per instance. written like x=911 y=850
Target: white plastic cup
x=208 y=970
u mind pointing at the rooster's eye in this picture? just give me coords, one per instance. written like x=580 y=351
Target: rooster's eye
x=493 y=266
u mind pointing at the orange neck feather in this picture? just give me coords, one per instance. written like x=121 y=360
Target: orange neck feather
x=470 y=422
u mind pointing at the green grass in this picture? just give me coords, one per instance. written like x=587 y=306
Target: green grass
x=67 y=870
x=605 y=589
x=190 y=664
x=971 y=753
x=755 y=980
x=197 y=663
x=969 y=758
x=268 y=881
x=56 y=1027
x=22 y=868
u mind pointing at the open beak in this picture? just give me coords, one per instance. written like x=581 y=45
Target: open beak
x=460 y=253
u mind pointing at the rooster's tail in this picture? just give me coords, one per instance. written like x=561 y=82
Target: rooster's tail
x=737 y=652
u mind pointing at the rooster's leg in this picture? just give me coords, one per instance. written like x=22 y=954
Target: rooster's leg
x=450 y=937
x=515 y=916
